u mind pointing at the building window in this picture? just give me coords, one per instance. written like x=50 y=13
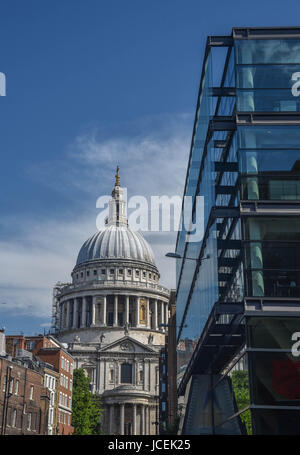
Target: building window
x=30 y=345
x=29 y=421
x=11 y=385
x=17 y=388
x=112 y=271
x=31 y=392
x=111 y=377
x=144 y=274
x=4 y=383
x=81 y=274
x=137 y=273
x=14 y=418
x=141 y=376
x=126 y=373
x=129 y=271
x=95 y=272
x=121 y=271
x=88 y=273
x=103 y=271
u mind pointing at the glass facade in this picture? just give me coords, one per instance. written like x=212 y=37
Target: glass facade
x=245 y=163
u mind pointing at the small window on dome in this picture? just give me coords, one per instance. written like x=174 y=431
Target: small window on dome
x=76 y=276
x=129 y=271
x=144 y=274
x=112 y=271
x=95 y=272
x=81 y=274
x=137 y=273
x=88 y=273
x=150 y=276
x=121 y=271
x=103 y=271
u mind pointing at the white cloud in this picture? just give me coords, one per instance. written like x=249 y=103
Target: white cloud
x=45 y=252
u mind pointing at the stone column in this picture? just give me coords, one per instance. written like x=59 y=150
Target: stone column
x=147 y=313
x=127 y=309
x=145 y=419
x=134 y=418
x=162 y=315
x=75 y=313
x=111 y=417
x=116 y=311
x=137 y=311
x=155 y=314
x=104 y=311
x=122 y=407
x=83 y=312
x=166 y=314
x=93 y=311
x=149 y=420
x=142 y=419
x=68 y=314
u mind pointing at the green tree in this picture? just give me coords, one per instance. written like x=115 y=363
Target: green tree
x=240 y=385
x=86 y=408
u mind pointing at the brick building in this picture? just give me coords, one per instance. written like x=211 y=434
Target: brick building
x=64 y=365
x=51 y=352
x=23 y=404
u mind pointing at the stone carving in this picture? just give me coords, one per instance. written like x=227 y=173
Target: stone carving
x=150 y=338
x=76 y=339
x=126 y=346
x=126 y=328
x=102 y=336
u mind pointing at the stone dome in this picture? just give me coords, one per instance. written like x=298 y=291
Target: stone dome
x=116 y=242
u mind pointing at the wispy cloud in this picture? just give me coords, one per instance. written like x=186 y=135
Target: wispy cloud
x=152 y=159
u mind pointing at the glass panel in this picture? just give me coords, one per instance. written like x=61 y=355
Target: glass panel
x=267 y=51
x=273 y=229
x=257 y=161
x=266 y=76
x=268 y=188
x=271 y=333
x=267 y=101
x=275 y=378
x=276 y=422
x=270 y=137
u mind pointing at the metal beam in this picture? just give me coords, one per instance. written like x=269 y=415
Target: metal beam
x=223 y=91
x=226 y=166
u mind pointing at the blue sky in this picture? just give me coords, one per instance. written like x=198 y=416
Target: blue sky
x=92 y=84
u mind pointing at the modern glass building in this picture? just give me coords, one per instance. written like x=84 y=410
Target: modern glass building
x=238 y=286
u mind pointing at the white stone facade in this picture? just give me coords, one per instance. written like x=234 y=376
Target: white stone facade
x=113 y=317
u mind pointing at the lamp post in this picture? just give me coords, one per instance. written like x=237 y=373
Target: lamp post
x=177 y=256
x=7 y=395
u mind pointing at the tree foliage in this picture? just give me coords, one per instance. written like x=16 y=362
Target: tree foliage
x=240 y=385
x=86 y=408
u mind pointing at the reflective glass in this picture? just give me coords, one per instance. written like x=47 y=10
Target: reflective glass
x=267 y=51
x=275 y=378
x=271 y=332
x=266 y=76
x=269 y=137
x=279 y=100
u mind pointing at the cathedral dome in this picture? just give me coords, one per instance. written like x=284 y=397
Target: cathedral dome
x=116 y=242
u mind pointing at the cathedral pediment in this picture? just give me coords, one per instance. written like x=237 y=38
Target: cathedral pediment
x=127 y=344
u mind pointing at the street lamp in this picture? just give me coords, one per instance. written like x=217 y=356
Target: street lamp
x=7 y=395
x=177 y=256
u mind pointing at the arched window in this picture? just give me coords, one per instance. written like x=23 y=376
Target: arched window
x=126 y=373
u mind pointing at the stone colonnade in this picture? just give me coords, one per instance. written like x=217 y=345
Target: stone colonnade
x=137 y=421
x=92 y=311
